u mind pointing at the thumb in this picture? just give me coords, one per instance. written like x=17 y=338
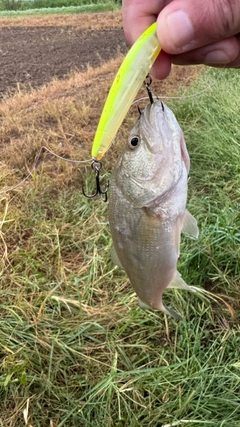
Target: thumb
x=184 y=25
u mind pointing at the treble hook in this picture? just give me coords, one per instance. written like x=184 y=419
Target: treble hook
x=147 y=85
x=96 y=166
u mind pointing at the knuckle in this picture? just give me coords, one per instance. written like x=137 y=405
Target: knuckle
x=227 y=14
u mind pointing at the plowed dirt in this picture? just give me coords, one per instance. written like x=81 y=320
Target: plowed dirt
x=32 y=56
x=34 y=50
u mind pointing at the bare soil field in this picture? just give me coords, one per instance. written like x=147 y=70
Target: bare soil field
x=34 y=53
x=34 y=50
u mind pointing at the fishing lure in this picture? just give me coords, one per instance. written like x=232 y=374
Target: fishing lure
x=127 y=83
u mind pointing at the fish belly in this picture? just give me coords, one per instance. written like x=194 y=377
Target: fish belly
x=147 y=245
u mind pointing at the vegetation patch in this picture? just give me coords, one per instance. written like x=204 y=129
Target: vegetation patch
x=75 y=348
x=21 y=8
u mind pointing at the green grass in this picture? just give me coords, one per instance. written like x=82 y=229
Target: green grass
x=75 y=348
x=38 y=4
x=88 y=8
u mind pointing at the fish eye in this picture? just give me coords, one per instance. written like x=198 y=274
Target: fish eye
x=134 y=142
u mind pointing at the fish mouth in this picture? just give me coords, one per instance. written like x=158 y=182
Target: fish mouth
x=148 y=126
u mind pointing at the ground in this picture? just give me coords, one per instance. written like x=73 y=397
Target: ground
x=34 y=50
x=34 y=55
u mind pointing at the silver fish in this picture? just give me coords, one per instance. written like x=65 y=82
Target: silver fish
x=147 y=207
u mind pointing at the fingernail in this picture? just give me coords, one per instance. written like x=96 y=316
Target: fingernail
x=216 y=57
x=180 y=31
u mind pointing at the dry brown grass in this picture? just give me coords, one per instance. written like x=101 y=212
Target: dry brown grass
x=64 y=115
x=86 y=21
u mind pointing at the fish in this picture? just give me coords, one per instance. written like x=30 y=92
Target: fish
x=147 y=206
x=125 y=87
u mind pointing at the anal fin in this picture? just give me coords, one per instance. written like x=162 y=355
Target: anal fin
x=167 y=310
x=171 y=312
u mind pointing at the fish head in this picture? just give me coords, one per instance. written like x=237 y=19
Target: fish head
x=153 y=158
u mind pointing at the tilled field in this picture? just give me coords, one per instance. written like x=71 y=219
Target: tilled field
x=33 y=55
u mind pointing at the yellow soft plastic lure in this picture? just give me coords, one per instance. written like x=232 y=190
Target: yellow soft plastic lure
x=125 y=87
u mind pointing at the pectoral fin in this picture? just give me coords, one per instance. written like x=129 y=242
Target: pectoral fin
x=190 y=225
x=114 y=257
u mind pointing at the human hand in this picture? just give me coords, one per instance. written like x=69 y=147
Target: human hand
x=190 y=32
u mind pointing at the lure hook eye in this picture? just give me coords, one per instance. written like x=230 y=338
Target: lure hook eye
x=148 y=82
x=96 y=166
